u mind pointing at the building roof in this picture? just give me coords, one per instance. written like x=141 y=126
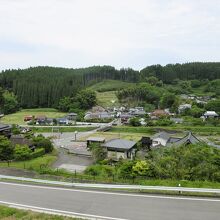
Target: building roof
x=21 y=140
x=163 y=135
x=96 y=139
x=190 y=138
x=72 y=114
x=210 y=113
x=120 y=144
x=4 y=127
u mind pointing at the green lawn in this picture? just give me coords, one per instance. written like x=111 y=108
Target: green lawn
x=110 y=85
x=34 y=164
x=7 y=213
x=18 y=117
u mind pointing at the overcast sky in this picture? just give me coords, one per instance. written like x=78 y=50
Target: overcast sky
x=121 y=33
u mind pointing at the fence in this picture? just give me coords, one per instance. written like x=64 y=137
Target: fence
x=113 y=186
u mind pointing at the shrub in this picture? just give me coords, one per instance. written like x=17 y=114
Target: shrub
x=41 y=142
x=38 y=153
x=22 y=152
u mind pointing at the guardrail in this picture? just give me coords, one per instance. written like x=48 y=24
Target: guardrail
x=112 y=186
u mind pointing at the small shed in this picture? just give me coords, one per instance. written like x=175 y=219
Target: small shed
x=91 y=140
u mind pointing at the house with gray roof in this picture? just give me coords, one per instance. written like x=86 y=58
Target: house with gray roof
x=5 y=130
x=120 y=148
x=164 y=139
x=210 y=114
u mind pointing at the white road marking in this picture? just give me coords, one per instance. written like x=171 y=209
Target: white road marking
x=58 y=212
x=113 y=193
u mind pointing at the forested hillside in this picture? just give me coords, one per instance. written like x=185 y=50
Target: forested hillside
x=44 y=86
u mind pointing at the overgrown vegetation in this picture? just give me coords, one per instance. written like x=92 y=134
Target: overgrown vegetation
x=192 y=162
x=9 y=152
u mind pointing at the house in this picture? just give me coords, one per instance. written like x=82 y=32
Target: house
x=164 y=139
x=72 y=116
x=125 y=117
x=41 y=119
x=183 y=107
x=158 y=113
x=49 y=121
x=98 y=115
x=120 y=148
x=96 y=140
x=190 y=138
x=5 y=130
x=62 y=121
x=210 y=114
x=29 y=118
x=21 y=140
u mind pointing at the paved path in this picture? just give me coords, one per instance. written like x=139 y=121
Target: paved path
x=68 y=161
x=111 y=205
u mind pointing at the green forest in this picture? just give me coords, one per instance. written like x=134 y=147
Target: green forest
x=45 y=86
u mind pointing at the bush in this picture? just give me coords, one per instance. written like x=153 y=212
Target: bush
x=41 y=142
x=22 y=152
x=164 y=122
x=38 y=153
x=134 y=122
x=100 y=170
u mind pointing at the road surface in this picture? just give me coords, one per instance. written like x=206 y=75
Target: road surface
x=110 y=205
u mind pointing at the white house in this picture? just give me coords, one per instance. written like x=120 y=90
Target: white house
x=210 y=114
x=183 y=107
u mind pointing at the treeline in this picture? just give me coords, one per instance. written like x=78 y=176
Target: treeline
x=45 y=86
x=188 y=71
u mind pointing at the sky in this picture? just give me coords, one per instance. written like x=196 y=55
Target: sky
x=121 y=33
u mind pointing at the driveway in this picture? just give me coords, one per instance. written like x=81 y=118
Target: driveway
x=72 y=155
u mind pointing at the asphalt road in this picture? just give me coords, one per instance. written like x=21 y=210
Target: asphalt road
x=112 y=205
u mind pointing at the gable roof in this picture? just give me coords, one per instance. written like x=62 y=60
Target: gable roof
x=210 y=113
x=120 y=144
x=163 y=135
x=190 y=138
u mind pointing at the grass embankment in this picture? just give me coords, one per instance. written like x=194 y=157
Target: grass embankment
x=42 y=166
x=35 y=164
x=18 y=117
x=110 y=85
x=7 y=213
x=107 y=99
x=106 y=92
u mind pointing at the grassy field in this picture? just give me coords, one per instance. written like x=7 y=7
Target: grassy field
x=34 y=164
x=61 y=129
x=202 y=130
x=114 y=135
x=7 y=213
x=107 y=99
x=110 y=85
x=18 y=117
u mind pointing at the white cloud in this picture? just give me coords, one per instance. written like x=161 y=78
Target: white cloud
x=131 y=33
